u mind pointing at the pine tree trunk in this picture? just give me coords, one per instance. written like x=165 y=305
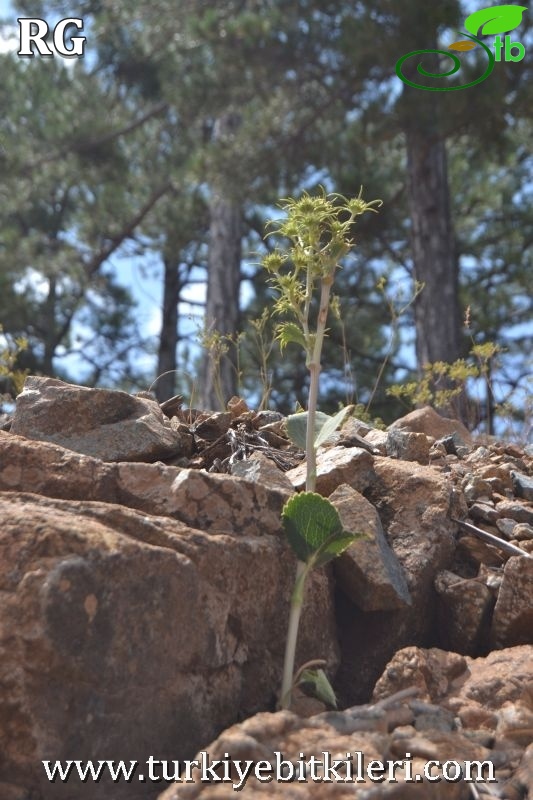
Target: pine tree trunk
x=168 y=340
x=219 y=376
x=437 y=309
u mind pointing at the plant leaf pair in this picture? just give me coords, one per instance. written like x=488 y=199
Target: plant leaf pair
x=314 y=529
x=324 y=426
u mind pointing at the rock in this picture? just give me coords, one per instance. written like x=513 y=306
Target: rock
x=485 y=512
x=515 y=510
x=124 y=635
x=368 y=571
x=498 y=476
x=237 y=406
x=506 y=527
x=426 y=730
x=224 y=503
x=109 y=425
x=512 y=621
x=213 y=426
x=433 y=671
x=408 y=446
x=426 y=420
x=524 y=777
x=522 y=532
x=522 y=485
x=459 y=682
x=476 y=489
x=378 y=440
x=414 y=503
x=464 y=612
x=261 y=469
x=337 y=465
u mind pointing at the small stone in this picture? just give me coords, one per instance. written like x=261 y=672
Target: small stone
x=261 y=469
x=408 y=446
x=464 y=609
x=479 y=454
x=523 y=532
x=499 y=477
x=522 y=485
x=477 y=488
x=514 y=510
x=484 y=512
x=432 y=717
x=237 y=406
x=214 y=426
x=378 y=440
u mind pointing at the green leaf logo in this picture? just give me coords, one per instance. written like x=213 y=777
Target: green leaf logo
x=497 y=19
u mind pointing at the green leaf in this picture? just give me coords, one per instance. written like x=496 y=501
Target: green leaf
x=335 y=547
x=312 y=525
x=497 y=19
x=316 y=683
x=325 y=425
x=290 y=332
x=297 y=428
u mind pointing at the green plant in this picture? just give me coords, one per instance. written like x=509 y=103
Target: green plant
x=318 y=229
x=10 y=349
x=442 y=382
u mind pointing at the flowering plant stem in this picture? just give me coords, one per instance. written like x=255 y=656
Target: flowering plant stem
x=319 y=231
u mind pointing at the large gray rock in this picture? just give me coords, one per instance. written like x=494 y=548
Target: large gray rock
x=110 y=425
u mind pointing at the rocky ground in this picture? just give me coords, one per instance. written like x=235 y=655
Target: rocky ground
x=145 y=584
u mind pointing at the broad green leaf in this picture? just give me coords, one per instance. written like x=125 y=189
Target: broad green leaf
x=497 y=19
x=310 y=522
x=335 y=547
x=297 y=428
x=326 y=425
x=290 y=332
x=316 y=683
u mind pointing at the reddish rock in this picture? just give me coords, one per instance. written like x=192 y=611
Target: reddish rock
x=109 y=425
x=124 y=635
x=426 y=420
x=337 y=465
x=368 y=571
x=512 y=621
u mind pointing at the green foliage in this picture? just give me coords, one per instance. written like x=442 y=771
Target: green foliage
x=325 y=425
x=441 y=382
x=314 y=530
x=319 y=232
x=11 y=377
x=317 y=684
